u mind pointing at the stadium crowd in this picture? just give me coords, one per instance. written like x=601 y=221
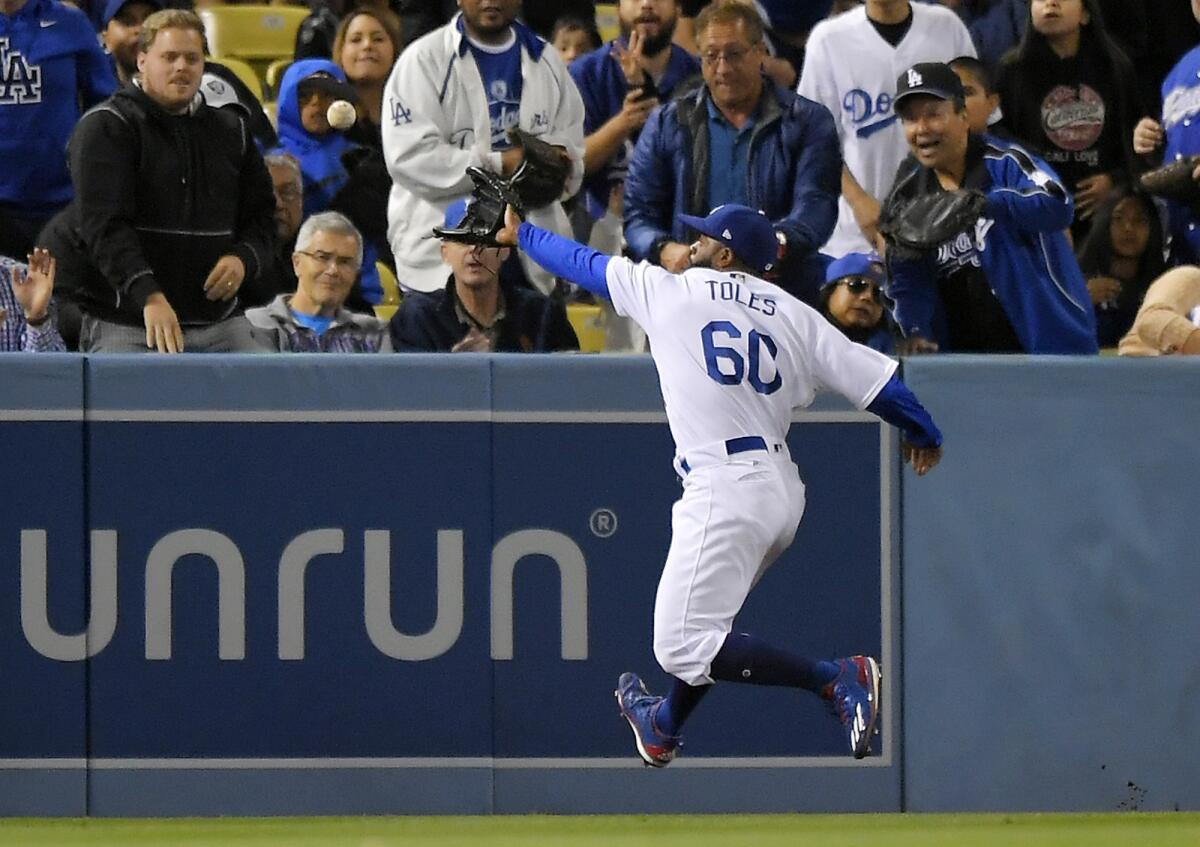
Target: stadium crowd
x=150 y=200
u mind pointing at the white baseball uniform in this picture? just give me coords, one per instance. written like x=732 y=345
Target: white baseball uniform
x=734 y=356
x=852 y=71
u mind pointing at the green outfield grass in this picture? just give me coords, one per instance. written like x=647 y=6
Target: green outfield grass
x=1118 y=830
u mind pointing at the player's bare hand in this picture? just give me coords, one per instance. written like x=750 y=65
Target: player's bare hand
x=32 y=288
x=922 y=459
x=675 y=257
x=1092 y=192
x=510 y=235
x=635 y=110
x=473 y=342
x=632 y=59
x=163 y=332
x=916 y=346
x=1147 y=136
x=1104 y=289
x=225 y=278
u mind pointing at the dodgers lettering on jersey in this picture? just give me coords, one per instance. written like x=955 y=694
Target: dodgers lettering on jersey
x=735 y=354
x=20 y=82
x=868 y=113
x=501 y=73
x=963 y=249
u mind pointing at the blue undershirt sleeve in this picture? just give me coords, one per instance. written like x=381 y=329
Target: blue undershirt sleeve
x=897 y=405
x=566 y=258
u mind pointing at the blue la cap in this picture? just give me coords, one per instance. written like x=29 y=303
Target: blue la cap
x=747 y=232
x=455 y=213
x=855 y=264
x=113 y=8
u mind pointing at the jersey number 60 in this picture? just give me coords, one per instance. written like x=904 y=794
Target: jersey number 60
x=755 y=343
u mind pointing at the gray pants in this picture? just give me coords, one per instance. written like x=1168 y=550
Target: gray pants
x=231 y=335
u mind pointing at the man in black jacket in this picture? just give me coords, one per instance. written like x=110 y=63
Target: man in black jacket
x=477 y=312
x=173 y=207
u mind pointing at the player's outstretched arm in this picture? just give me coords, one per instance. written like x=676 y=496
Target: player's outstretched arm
x=561 y=256
x=922 y=442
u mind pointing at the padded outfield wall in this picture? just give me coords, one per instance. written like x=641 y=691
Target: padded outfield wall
x=318 y=585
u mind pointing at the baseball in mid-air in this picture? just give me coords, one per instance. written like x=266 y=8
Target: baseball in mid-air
x=341 y=114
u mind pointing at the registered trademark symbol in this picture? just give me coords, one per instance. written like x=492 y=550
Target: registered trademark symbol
x=603 y=523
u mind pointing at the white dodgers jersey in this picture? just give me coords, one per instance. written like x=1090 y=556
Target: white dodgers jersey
x=735 y=354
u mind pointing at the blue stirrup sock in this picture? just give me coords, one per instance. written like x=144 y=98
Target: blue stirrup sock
x=746 y=658
x=679 y=703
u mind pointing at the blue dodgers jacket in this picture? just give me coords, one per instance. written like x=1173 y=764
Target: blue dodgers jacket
x=1022 y=250
x=50 y=65
x=795 y=177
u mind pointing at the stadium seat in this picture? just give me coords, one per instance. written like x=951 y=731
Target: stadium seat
x=244 y=72
x=274 y=75
x=607 y=21
x=256 y=34
x=588 y=322
x=391 y=289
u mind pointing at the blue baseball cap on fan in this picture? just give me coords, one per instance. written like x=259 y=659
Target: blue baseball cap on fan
x=855 y=264
x=113 y=8
x=747 y=232
x=455 y=213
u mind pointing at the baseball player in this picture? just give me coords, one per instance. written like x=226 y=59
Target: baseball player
x=884 y=37
x=735 y=355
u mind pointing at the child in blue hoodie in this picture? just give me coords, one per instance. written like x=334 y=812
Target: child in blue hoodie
x=305 y=94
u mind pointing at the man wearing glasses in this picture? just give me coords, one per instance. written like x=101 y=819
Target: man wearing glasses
x=743 y=139
x=328 y=255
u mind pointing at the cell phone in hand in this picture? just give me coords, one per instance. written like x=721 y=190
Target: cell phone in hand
x=649 y=89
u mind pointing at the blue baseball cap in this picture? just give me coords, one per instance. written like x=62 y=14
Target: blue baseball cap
x=455 y=213
x=113 y=8
x=747 y=232
x=855 y=264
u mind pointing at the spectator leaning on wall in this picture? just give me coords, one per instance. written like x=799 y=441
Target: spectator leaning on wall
x=328 y=255
x=27 y=320
x=172 y=210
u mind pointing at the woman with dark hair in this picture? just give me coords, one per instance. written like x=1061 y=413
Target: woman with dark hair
x=1071 y=94
x=365 y=46
x=1121 y=256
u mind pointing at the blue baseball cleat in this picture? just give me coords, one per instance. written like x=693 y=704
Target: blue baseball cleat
x=638 y=706
x=854 y=697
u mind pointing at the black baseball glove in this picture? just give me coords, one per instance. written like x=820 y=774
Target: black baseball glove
x=1174 y=182
x=491 y=195
x=932 y=219
x=542 y=175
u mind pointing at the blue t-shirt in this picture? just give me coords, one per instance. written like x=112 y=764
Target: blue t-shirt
x=500 y=67
x=316 y=323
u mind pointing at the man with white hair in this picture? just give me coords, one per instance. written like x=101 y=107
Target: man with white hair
x=327 y=259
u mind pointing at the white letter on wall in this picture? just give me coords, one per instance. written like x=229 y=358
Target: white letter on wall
x=292 y=565
x=231 y=590
x=35 y=613
x=572 y=569
x=377 y=599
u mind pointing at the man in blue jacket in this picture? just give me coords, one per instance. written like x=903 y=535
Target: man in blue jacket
x=741 y=139
x=621 y=83
x=1010 y=284
x=51 y=68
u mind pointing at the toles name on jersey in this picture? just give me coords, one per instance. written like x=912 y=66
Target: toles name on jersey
x=728 y=290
